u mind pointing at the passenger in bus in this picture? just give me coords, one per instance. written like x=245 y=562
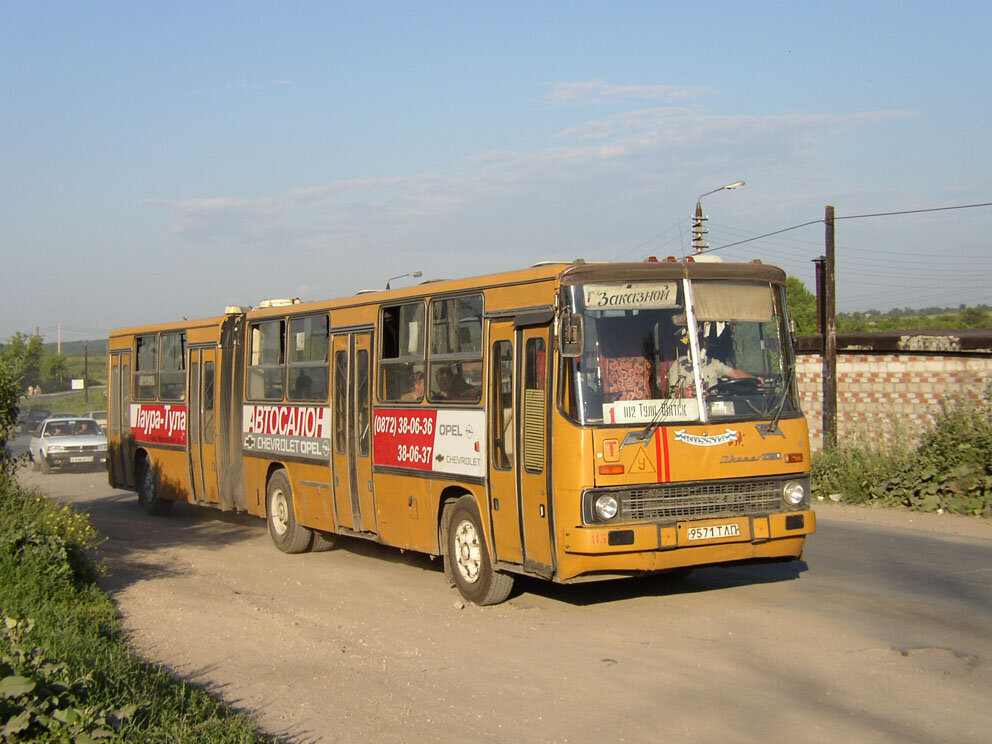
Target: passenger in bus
x=303 y=388
x=451 y=386
x=416 y=391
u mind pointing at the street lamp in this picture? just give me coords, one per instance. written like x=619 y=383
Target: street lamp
x=697 y=222
x=415 y=275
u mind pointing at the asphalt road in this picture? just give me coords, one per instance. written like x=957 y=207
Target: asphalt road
x=884 y=634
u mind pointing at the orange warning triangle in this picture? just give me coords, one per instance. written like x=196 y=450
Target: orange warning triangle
x=641 y=463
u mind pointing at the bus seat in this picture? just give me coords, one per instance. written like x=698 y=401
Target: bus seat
x=626 y=378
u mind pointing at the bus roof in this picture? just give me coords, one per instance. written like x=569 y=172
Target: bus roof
x=568 y=273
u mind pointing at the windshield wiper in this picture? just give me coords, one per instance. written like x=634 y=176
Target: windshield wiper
x=644 y=435
x=772 y=428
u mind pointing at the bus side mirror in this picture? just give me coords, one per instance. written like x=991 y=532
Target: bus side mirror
x=572 y=335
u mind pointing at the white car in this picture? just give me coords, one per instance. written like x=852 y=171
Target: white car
x=99 y=416
x=68 y=441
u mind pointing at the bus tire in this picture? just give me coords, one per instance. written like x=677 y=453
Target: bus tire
x=286 y=533
x=322 y=541
x=148 y=495
x=469 y=559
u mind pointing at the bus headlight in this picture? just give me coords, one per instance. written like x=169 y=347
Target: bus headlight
x=794 y=493
x=606 y=507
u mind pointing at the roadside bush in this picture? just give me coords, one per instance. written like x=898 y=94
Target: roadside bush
x=9 y=394
x=40 y=699
x=950 y=469
x=66 y=674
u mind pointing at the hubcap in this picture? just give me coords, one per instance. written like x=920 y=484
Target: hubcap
x=280 y=512
x=468 y=551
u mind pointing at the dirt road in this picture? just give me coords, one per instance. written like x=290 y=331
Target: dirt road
x=885 y=636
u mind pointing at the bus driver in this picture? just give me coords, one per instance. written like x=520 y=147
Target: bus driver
x=711 y=369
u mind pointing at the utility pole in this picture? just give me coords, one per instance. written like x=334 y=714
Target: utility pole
x=698 y=244
x=829 y=335
x=86 y=367
x=818 y=262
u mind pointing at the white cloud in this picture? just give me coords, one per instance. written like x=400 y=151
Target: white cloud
x=599 y=93
x=595 y=190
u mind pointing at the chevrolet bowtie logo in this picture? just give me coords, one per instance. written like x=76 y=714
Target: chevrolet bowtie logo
x=249 y=441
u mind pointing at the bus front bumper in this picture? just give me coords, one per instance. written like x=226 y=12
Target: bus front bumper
x=656 y=547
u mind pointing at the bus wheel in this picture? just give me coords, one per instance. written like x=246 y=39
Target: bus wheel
x=284 y=530
x=321 y=541
x=148 y=495
x=469 y=558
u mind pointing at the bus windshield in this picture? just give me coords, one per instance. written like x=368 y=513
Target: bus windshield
x=645 y=359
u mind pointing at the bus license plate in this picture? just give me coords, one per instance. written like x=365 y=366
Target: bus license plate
x=713 y=531
x=81 y=459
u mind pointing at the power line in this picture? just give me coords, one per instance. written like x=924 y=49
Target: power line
x=766 y=235
x=913 y=211
x=851 y=217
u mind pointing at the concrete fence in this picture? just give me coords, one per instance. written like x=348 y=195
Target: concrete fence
x=889 y=384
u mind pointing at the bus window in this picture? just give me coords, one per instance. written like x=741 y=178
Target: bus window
x=364 y=415
x=401 y=357
x=502 y=400
x=456 y=350
x=341 y=402
x=146 y=367
x=266 y=373
x=208 y=403
x=308 y=363
x=172 y=382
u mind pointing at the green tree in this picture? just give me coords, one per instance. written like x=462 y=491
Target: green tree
x=53 y=369
x=973 y=317
x=9 y=393
x=23 y=355
x=802 y=305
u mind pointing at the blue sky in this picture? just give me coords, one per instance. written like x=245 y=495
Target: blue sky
x=160 y=160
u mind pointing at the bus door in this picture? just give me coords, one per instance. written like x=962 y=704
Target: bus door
x=519 y=444
x=202 y=424
x=504 y=513
x=119 y=420
x=354 y=503
x=532 y=455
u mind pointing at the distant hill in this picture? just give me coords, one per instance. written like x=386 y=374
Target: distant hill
x=97 y=347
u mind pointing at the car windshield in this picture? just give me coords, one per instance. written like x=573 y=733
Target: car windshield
x=643 y=361
x=72 y=427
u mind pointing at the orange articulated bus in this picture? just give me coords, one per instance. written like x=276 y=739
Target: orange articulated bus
x=571 y=421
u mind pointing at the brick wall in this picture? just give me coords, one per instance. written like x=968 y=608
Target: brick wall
x=883 y=393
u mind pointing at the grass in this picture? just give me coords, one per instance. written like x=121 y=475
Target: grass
x=66 y=673
x=948 y=470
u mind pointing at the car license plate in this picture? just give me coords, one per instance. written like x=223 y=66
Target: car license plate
x=713 y=531
x=88 y=458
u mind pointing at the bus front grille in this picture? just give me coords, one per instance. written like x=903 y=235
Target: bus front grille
x=692 y=500
x=689 y=500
